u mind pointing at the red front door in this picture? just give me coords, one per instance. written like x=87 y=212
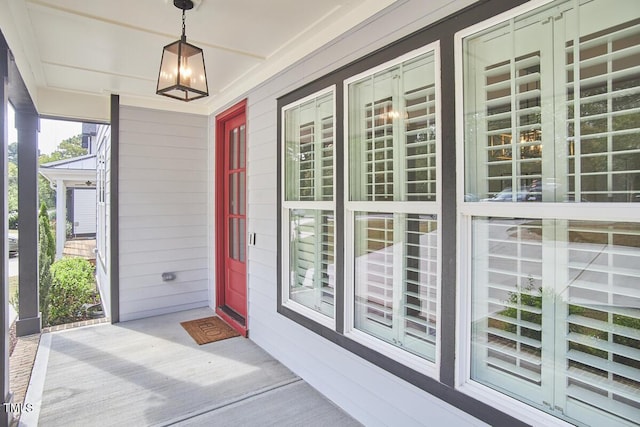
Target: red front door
x=232 y=218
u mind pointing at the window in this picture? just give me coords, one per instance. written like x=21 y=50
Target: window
x=392 y=210
x=308 y=207
x=552 y=114
x=101 y=191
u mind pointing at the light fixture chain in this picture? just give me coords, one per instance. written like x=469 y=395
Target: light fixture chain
x=184 y=37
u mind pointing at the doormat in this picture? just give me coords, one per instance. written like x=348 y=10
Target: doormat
x=209 y=329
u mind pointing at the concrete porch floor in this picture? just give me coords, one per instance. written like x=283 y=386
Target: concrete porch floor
x=150 y=372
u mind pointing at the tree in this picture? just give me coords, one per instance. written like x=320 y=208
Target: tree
x=67 y=149
x=12 y=153
x=12 y=187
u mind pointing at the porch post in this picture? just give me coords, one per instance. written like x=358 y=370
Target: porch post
x=27 y=124
x=5 y=416
x=61 y=217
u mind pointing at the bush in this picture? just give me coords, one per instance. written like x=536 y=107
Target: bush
x=45 y=223
x=73 y=284
x=46 y=255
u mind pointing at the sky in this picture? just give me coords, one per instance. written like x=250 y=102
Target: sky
x=52 y=132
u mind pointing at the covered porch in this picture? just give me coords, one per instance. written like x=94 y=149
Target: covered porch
x=151 y=372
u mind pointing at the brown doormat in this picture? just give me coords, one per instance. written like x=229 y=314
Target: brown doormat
x=209 y=329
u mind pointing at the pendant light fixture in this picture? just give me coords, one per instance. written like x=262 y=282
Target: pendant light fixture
x=182 y=73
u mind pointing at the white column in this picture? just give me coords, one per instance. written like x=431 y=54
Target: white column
x=61 y=217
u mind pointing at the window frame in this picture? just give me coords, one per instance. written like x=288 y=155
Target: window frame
x=101 y=205
x=316 y=205
x=468 y=210
x=444 y=387
x=420 y=364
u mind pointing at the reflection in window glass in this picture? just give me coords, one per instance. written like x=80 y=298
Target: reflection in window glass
x=396 y=279
x=551 y=114
x=393 y=188
x=309 y=206
x=551 y=100
x=556 y=315
x=392 y=129
x=309 y=136
x=311 y=264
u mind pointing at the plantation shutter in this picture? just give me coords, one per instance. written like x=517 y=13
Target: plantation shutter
x=326 y=287
x=602 y=319
x=379 y=150
x=393 y=172
x=603 y=296
x=420 y=138
x=603 y=109
x=375 y=262
x=307 y=178
x=397 y=279
x=508 y=333
x=309 y=139
x=326 y=157
x=513 y=124
x=553 y=110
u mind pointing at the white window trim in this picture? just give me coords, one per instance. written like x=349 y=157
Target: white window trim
x=468 y=210
x=417 y=363
x=316 y=316
x=101 y=214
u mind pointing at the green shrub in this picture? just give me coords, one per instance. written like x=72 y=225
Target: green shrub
x=46 y=256
x=45 y=223
x=73 y=284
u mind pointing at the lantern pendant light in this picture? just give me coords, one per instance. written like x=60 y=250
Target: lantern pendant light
x=182 y=74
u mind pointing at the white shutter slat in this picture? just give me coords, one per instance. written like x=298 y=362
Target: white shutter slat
x=606 y=346
x=605 y=326
x=618 y=388
x=596 y=400
x=514 y=370
x=516 y=338
x=518 y=322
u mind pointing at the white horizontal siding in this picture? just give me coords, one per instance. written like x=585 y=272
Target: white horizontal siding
x=372 y=395
x=84 y=211
x=163 y=212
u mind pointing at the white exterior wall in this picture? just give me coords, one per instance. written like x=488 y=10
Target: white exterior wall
x=370 y=394
x=163 y=212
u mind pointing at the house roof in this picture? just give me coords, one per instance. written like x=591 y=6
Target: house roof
x=73 y=54
x=75 y=172
x=86 y=162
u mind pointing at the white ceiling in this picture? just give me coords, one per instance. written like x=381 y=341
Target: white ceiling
x=81 y=51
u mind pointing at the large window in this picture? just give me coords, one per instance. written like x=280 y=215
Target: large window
x=552 y=114
x=392 y=207
x=308 y=214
